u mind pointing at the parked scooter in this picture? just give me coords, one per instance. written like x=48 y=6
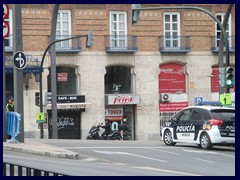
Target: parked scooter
x=94 y=134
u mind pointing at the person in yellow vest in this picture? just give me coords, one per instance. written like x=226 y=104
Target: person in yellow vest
x=10 y=104
x=10 y=107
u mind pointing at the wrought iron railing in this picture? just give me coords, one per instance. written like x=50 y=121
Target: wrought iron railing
x=120 y=44
x=71 y=46
x=10 y=169
x=215 y=40
x=174 y=44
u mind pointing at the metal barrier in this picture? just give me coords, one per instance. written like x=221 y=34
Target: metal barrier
x=13 y=125
x=10 y=169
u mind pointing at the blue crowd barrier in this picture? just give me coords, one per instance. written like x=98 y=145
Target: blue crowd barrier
x=13 y=125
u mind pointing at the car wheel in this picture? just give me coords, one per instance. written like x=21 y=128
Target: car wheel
x=205 y=141
x=167 y=138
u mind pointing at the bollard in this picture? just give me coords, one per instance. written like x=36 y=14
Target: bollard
x=13 y=125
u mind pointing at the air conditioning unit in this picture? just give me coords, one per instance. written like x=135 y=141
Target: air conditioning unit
x=165 y=97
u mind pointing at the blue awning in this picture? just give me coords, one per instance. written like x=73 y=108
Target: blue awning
x=25 y=70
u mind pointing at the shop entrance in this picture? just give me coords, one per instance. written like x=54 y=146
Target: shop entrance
x=124 y=116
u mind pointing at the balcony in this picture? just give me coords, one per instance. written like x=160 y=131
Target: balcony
x=120 y=44
x=215 y=40
x=68 y=46
x=179 y=44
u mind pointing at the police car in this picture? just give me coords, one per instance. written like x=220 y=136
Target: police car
x=202 y=125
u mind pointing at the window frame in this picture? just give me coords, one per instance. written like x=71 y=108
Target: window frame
x=117 y=37
x=171 y=38
x=228 y=31
x=64 y=44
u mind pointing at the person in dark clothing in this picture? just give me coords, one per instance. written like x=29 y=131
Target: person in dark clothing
x=10 y=107
x=107 y=127
x=10 y=104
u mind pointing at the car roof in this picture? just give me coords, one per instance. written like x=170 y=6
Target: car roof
x=211 y=107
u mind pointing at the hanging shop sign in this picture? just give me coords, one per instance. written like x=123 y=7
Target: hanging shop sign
x=122 y=99
x=114 y=112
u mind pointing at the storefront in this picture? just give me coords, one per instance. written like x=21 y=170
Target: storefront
x=120 y=108
x=68 y=116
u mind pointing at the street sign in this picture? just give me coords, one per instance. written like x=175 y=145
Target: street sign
x=19 y=60
x=5 y=11
x=40 y=118
x=6 y=29
x=225 y=99
x=198 y=99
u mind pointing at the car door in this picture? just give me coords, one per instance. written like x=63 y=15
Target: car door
x=182 y=125
x=197 y=121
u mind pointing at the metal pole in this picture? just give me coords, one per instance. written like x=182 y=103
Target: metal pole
x=53 y=73
x=4 y=95
x=18 y=74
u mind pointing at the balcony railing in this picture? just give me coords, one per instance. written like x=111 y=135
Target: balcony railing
x=68 y=46
x=120 y=44
x=174 y=44
x=215 y=40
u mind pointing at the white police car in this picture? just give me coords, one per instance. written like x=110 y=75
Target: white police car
x=202 y=125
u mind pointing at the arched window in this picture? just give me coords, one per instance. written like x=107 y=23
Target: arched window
x=118 y=79
x=66 y=80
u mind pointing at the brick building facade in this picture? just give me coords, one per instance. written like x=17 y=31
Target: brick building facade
x=123 y=76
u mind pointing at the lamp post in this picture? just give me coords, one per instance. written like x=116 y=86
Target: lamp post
x=40 y=75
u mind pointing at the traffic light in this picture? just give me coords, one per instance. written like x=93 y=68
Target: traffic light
x=89 y=42
x=135 y=14
x=48 y=98
x=37 y=98
x=229 y=77
x=222 y=76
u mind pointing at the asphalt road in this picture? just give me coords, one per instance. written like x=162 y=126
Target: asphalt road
x=134 y=158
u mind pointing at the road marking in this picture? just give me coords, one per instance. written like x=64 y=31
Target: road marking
x=130 y=154
x=204 y=160
x=116 y=147
x=165 y=170
x=209 y=152
x=164 y=151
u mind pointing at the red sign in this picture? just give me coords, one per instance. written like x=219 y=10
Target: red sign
x=215 y=79
x=5 y=11
x=172 y=78
x=6 y=29
x=172 y=106
x=62 y=76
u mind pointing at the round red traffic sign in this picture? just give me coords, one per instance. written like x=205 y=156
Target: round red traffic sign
x=5 y=11
x=5 y=29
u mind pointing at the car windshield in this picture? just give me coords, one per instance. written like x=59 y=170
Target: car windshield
x=226 y=115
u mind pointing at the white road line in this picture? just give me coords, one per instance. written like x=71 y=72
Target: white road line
x=115 y=147
x=209 y=152
x=204 y=160
x=130 y=154
x=164 y=151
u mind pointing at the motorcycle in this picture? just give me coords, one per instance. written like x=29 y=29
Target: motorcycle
x=94 y=134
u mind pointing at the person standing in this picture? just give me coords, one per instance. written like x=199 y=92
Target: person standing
x=10 y=107
x=10 y=104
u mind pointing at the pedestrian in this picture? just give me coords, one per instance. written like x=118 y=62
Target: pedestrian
x=10 y=104
x=10 y=107
x=107 y=127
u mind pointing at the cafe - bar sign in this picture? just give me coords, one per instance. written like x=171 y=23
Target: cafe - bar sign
x=122 y=99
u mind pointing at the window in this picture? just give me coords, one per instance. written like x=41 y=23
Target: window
x=172 y=30
x=220 y=16
x=63 y=28
x=118 y=79
x=66 y=80
x=182 y=116
x=8 y=40
x=118 y=29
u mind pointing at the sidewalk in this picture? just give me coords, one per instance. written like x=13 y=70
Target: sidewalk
x=32 y=146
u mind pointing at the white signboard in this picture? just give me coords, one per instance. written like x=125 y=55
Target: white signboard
x=122 y=99
x=114 y=111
